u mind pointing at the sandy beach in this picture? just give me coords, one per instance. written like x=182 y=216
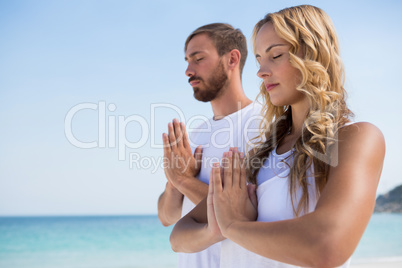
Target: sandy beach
x=379 y=264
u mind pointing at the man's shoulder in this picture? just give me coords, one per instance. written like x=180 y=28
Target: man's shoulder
x=253 y=109
x=201 y=123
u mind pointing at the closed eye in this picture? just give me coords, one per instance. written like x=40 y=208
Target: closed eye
x=277 y=56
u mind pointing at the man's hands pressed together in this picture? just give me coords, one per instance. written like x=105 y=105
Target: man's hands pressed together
x=181 y=168
x=179 y=162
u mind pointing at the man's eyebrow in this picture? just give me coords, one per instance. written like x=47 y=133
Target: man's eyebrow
x=269 y=48
x=192 y=55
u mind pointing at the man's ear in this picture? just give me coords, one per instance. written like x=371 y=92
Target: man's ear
x=234 y=59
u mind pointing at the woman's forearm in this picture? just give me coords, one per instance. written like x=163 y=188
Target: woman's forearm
x=285 y=241
x=318 y=239
x=190 y=236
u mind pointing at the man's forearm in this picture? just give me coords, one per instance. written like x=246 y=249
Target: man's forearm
x=169 y=205
x=192 y=233
x=189 y=236
x=171 y=200
x=193 y=189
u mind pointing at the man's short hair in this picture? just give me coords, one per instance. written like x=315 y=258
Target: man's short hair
x=225 y=38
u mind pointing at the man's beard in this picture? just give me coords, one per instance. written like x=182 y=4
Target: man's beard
x=214 y=85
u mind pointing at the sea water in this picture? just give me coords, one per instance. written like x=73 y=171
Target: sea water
x=136 y=242
x=118 y=242
x=382 y=240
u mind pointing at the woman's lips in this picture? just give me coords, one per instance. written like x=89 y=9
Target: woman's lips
x=269 y=87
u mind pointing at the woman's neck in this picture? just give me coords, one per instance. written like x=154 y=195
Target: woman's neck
x=299 y=113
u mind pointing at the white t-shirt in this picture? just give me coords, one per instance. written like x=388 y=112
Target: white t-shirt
x=274 y=204
x=216 y=136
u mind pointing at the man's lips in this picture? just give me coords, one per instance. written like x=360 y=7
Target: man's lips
x=269 y=87
x=194 y=82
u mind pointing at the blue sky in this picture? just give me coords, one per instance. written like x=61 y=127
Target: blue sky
x=128 y=56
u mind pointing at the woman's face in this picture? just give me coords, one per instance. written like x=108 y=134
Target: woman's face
x=280 y=77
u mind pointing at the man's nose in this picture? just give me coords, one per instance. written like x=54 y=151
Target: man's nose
x=189 y=71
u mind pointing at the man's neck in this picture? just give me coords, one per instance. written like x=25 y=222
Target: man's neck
x=232 y=100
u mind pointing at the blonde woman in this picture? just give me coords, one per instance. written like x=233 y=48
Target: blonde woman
x=316 y=172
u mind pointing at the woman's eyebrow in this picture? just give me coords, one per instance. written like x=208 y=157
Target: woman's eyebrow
x=269 y=48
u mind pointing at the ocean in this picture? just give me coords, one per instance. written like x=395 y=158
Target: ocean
x=136 y=242
x=78 y=242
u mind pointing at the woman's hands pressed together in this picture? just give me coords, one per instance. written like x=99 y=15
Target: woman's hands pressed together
x=229 y=198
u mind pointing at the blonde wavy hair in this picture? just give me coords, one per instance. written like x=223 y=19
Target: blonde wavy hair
x=309 y=29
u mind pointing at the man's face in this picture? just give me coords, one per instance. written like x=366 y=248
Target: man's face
x=205 y=68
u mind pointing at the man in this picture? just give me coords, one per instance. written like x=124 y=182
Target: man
x=216 y=54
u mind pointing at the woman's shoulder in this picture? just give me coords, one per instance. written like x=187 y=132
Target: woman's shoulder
x=359 y=153
x=363 y=135
x=360 y=130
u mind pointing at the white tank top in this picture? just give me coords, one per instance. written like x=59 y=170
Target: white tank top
x=216 y=136
x=274 y=204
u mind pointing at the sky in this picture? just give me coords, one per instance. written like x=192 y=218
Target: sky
x=87 y=89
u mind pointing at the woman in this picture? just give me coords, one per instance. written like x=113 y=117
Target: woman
x=316 y=172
